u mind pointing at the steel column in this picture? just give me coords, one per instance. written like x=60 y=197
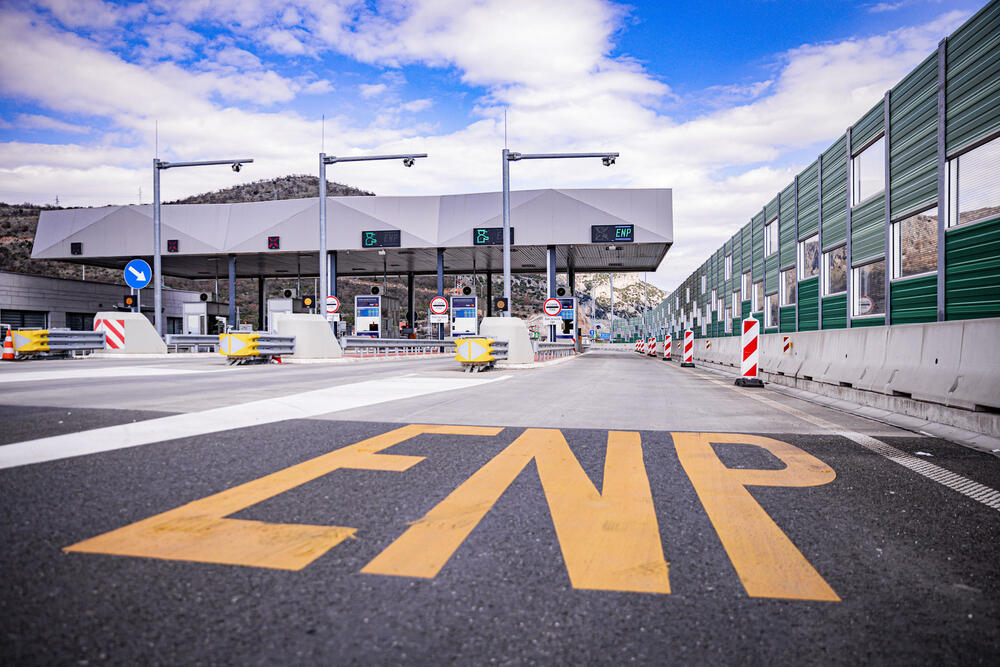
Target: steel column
x=260 y=303
x=819 y=239
x=489 y=294
x=505 y=204
x=232 y=291
x=411 y=310
x=942 y=183
x=889 y=259
x=324 y=282
x=850 y=269
x=550 y=272
x=157 y=259
x=440 y=286
x=331 y=272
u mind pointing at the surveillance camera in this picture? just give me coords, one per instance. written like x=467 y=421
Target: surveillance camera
x=407 y=162
x=608 y=161
x=236 y=167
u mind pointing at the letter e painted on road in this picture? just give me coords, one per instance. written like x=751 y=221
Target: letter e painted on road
x=610 y=541
x=767 y=562
x=200 y=532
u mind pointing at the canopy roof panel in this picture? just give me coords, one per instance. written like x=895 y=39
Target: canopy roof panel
x=207 y=234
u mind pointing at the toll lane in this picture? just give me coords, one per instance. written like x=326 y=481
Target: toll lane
x=328 y=539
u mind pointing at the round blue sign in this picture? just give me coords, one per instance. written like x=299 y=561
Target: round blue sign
x=138 y=274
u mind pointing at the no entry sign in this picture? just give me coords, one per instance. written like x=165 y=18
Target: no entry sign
x=439 y=305
x=332 y=304
x=552 y=307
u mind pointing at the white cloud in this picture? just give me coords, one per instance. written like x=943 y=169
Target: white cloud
x=417 y=105
x=37 y=122
x=369 y=90
x=550 y=64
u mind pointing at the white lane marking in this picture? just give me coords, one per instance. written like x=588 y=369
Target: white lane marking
x=967 y=487
x=96 y=373
x=255 y=413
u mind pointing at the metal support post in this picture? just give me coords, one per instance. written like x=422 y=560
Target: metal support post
x=157 y=259
x=331 y=272
x=489 y=294
x=324 y=284
x=440 y=286
x=888 y=215
x=942 y=183
x=847 y=252
x=260 y=303
x=505 y=204
x=232 y=291
x=411 y=311
x=550 y=272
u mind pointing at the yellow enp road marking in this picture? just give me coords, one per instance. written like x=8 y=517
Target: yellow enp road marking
x=610 y=539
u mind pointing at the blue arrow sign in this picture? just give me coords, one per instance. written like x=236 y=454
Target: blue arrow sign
x=138 y=274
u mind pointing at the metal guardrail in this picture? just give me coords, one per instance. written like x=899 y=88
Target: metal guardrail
x=546 y=350
x=46 y=341
x=196 y=342
x=368 y=346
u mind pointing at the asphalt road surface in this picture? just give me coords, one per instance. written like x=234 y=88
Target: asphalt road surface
x=605 y=510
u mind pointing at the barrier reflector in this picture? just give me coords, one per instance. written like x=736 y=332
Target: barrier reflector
x=34 y=340
x=238 y=344
x=114 y=332
x=750 y=353
x=474 y=350
x=708 y=345
x=688 y=358
x=668 y=343
x=786 y=344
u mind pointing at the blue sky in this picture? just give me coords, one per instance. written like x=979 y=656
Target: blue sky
x=722 y=101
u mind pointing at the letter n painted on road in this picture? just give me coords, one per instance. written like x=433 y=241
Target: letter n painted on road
x=767 y=562
x=610 y=541
x=200 y=532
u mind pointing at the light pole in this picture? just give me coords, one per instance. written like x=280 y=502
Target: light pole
x=159 y=165
x=327 y=275
x=506 y=157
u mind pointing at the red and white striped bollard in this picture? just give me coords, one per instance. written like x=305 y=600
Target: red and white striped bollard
x=688 y=357
x=749 y=346
x=668 y=343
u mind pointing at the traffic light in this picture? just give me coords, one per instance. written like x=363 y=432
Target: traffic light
x=308 y=302
x=128 y=301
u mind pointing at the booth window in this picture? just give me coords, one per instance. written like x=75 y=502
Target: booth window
x=788 y=287
x=915 y=244
x=758 y=296
x=808 y=257
x=868 y=172
x=771 y=310
x=868 y=290
x=835 y=271
x=729 y=267
x=745 y=287
x=974 y=184
x=771 y=238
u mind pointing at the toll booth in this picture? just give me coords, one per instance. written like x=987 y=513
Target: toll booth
x=204 y=317
x=464 y=315
x=567 y=331
x=282 y=305
x=376 y=316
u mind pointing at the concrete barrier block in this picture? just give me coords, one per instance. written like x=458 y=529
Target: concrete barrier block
x=314 y=339
x=129 y=333
x=979 y=366
x=874 y=345
x=515 y=332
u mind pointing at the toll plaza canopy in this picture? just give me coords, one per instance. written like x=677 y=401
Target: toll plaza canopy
x=621 y=230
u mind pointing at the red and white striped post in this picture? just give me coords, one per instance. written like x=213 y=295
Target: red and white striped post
x=651 y=347
x=668 y=343
x=688 y=357
x=786 y=344
x=748 y=360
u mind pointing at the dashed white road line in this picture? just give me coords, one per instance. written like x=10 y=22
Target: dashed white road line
x=255 y=413
x=967 y=487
